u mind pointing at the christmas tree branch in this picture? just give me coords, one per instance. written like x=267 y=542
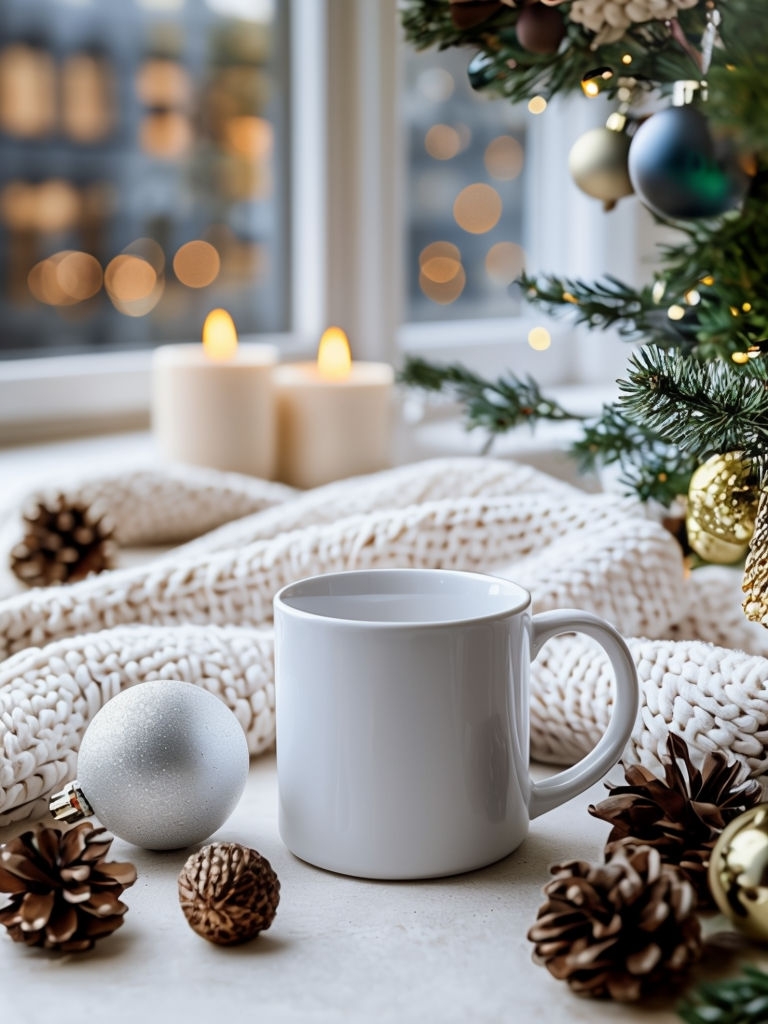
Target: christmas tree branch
x=609 y=303
x=496 y=406
x=742 y=1000
x=700 y=407
x=650 y=468
x=517 y=73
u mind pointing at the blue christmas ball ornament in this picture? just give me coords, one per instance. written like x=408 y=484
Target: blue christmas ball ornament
x=680 y=170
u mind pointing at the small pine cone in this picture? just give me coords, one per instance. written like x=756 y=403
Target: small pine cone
x=618 y=930
x=63 y=894
x=63 y=541
x=229 y=893
x=682 y=815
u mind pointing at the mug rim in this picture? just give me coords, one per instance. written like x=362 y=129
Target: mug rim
x=524 y=602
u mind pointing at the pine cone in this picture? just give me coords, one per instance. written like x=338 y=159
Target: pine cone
x=755 y=583
x=681 y=815
x=63 y=542
x=610 y=19
x=619 y=929
x=64 y=895
x=229 y=893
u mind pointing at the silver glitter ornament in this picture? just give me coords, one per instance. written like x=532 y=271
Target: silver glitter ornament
x=162 y=765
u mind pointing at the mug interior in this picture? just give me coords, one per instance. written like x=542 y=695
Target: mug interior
x=404 y=596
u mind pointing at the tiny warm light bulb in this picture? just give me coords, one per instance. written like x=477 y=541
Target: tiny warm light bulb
x=219 y=336
x=334 y=360
x=539 y=339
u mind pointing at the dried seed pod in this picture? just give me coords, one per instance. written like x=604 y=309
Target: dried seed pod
x=228 y=892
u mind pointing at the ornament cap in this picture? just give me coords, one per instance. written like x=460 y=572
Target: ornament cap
x=70 y=804
x=617 y=121
x=688 y=89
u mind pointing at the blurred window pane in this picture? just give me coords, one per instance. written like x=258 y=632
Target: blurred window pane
x=465 y=187
x=142 y=169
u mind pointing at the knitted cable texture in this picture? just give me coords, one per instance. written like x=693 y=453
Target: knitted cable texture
x=203 y=612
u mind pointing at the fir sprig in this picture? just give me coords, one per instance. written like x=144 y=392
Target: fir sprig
x=649 y=467
x=700 y=407
x=496 y=406
x=634 y=312
x=742 y=1000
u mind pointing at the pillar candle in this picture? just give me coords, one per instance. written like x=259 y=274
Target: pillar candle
x=213 y=404
x=334 y=416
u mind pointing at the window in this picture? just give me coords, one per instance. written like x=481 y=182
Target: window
x=465 y=201
x=143 y=156
x=294 y=148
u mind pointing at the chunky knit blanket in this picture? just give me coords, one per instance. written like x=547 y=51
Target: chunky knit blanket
x=202 y=611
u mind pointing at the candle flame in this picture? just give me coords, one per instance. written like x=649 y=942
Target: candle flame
x=219 y=336
x=334 y=360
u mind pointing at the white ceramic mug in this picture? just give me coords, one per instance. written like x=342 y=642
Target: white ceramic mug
x=402 y=702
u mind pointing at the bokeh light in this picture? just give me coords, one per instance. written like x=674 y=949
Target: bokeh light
x=436 y=85
x=43 y=283
x=161 y=82
x=132 y=285
x=79 y=275
x=436 y=249
x=441 y=269
x=196 y=264
x=504 y=262
x=443 y=292
x=477 y=208
x=87 y=102
x=504 y=158
x=166 y=134
x=57 y=205
x=18 y=206
x=439 y=263
x=251 y=137
x=27 y=91
x=537 y=105
x=442 y=142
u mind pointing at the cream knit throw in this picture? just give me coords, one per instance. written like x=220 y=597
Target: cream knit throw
x=203 y=611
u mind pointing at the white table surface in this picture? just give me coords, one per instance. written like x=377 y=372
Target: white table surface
x=340 y=949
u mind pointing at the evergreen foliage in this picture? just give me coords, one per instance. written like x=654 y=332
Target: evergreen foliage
x=699 y=383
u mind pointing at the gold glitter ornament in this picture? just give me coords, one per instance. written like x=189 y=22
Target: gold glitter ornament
x=738 y=872
x=722 y=507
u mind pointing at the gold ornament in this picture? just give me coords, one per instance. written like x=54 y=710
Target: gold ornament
x=722 y=507
x=598 y=162
x=738 y=872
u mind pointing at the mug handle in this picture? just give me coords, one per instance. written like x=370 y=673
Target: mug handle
x=571 y=781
